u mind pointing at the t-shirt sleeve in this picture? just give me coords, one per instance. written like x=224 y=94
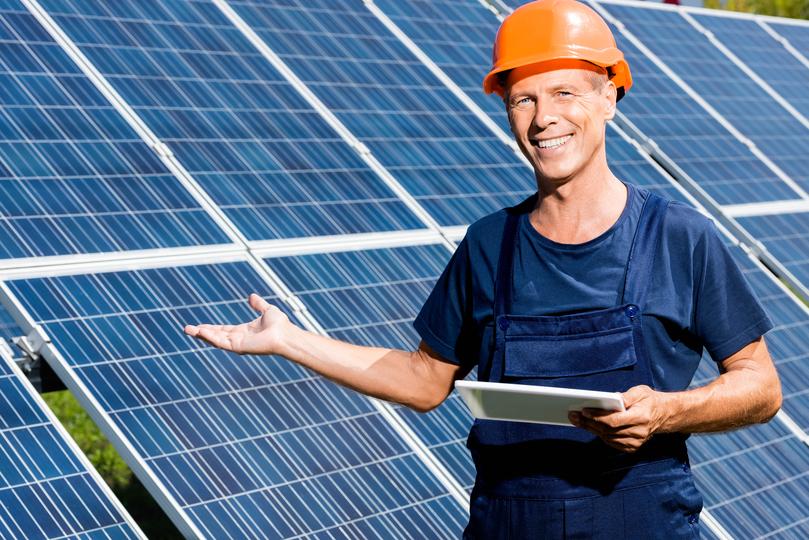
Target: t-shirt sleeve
x=727 y=314
x=444 y=320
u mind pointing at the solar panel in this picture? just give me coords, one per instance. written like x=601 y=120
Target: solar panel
x=47 y=489
x=763 y=54
x=457 y=35
x=786 y=237
x=8 y=328
x=755 y=480
x=438 y=150
x=263 y=154
x=794 y=31
x=722 y=84
x=231 y=447
x=74 y=177
x=370 y=297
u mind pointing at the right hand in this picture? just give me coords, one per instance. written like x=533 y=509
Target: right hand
x=259 y=336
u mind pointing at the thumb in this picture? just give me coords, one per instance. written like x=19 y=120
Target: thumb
x=258 y=303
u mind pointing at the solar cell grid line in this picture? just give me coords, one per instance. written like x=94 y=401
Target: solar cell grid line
x=230 y=447
x=786 y=236
x=762 y=82
x=458 y=36
x=439 y=151
x=795 y=32
x=48 y=489
x=720 y=83
x=73 y=177
x=262 y=154
x=370 y=297
x=762 y=53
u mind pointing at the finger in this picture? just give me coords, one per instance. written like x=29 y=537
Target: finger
x=258 y=303
x=611 y=419
x=191 y=330
x=217 y=339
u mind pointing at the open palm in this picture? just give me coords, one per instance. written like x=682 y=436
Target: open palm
x=259 y=336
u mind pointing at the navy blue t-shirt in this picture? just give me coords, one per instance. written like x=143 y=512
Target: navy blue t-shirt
x=698 y=296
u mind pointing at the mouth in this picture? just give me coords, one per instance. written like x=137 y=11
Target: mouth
x=551 y=143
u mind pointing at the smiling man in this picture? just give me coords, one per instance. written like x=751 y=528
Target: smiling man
x=591 y=283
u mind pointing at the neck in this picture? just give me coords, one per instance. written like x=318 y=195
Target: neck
x=580 y=208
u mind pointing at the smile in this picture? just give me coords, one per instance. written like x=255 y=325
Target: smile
x=553 y=143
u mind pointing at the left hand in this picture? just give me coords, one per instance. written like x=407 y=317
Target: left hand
x=626 y=430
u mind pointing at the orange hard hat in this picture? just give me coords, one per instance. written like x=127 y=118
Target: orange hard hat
x=555 y=30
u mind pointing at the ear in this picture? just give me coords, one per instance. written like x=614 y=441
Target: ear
x=610 y=94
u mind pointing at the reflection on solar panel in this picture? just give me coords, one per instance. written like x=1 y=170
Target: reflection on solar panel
x=457 y=35
x=728 y=89
x=46 y=487
x=764 y=55
x=264 y=155
x=74 y=178
x=244 y=447
x=444 y=156
x=371 y=297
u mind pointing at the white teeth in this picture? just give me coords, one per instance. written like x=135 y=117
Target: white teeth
x=553 y=143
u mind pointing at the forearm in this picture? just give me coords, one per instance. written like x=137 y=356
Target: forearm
x=735 y=399
x=389 y=374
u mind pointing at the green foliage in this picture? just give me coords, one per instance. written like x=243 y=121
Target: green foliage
x=796 y=9
x=115 y=472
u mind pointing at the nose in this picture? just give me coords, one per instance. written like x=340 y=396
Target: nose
x=545 y=114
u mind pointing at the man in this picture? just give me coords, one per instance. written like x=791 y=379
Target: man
x=590 y=283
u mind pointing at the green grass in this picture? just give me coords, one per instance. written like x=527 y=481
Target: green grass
x=115 y=472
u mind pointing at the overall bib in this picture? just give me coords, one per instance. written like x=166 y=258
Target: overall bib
x=540 y=481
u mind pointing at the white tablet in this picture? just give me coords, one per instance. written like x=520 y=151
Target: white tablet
x=536 y=404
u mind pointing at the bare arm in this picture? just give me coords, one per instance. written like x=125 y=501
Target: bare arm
x=747 y=391
x=419 y=379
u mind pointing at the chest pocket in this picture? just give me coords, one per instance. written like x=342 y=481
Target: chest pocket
x=559 y=347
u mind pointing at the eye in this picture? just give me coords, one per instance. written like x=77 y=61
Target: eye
x=522 y=102
x=564 y=93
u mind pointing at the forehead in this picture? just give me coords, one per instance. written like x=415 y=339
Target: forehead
x=520 y=79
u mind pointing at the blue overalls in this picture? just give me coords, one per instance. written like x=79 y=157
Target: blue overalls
x=539 y=481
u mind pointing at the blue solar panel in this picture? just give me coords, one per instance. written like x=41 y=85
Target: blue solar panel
x=74 y=177
x=46 y=488
x=786 y=237
x=247 y=447
x=764 y=55
x=797 y=33
x=371 y=297
x=457 y=35
x=754 y=481
x=726 y=87
x=8 y=328
x=264 y=155
x=437 y=149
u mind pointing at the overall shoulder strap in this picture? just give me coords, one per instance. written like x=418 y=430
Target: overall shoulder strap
x=502 y=283
x=642 y=252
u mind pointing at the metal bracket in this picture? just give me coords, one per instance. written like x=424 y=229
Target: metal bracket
x=30 y=345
